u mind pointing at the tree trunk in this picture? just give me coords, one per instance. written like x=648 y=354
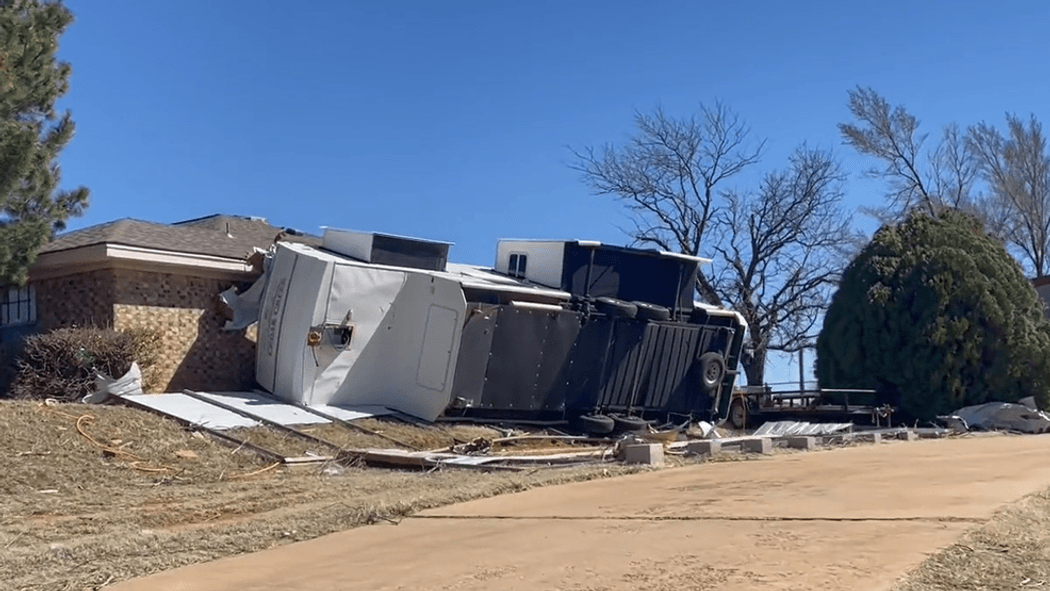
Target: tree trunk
x=754 y=367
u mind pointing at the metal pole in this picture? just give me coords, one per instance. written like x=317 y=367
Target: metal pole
x=801 y=372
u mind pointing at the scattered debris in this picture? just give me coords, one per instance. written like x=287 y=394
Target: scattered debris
x=105 y=386
x=781 y=428
x=998 y=416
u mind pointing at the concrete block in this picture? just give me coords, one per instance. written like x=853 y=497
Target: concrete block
x=701 y=448
x=758 y=445
x=651 y=454
x=806 y=443
x=909 y=436
x=872 y=437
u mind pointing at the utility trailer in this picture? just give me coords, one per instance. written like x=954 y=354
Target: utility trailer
x=575 y=331
x=750 y=405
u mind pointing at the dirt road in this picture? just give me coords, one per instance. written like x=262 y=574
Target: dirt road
x=854 y=518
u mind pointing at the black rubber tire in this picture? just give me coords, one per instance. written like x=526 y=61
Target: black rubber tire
x=597 y=424
x=647 y=311
x=712 y=370
x=629 y=423
x=615 y=308
x=737 y=415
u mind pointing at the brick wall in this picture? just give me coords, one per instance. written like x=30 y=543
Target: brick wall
x=84 y=299
x=195 y=352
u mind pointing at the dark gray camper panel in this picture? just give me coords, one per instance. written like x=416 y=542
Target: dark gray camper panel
x=543 y=363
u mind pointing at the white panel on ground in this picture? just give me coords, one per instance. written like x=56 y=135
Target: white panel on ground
x=347 y=413
x=192 y=410
x=438 y=338
x=265 y=407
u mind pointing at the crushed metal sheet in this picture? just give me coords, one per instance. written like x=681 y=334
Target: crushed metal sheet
x=780 y=428
x=265 y=407
x=105 y=386
x=999 y=416
x=192 y=410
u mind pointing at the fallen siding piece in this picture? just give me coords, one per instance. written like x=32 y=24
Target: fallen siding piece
x=264 y=420
x=783 y=428
x=191 y=410
x=351 y=413
x=262 y=451
x=264 y=407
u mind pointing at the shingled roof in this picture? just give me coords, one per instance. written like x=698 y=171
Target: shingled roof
x=218 y=235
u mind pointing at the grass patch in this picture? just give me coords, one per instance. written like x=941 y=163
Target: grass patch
x=1011 y=551
x=130 y=493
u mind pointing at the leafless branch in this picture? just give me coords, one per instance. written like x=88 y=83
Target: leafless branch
x=1017 y=170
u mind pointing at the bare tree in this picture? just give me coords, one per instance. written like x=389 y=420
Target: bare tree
x=781 y=249
x=667 y=176
x=1017 y=169
x=931 y=181
x=776 y=244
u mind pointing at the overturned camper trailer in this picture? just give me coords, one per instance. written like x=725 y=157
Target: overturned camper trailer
x=558 y=330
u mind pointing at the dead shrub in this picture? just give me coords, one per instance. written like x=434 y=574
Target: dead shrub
x=62 y=364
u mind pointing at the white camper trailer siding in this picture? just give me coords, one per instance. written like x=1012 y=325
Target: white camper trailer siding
x=544 y=263
x=289 y=304
x=409 y=359
x=405 y=340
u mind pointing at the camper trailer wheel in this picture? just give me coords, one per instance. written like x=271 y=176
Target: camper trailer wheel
x=712 y=370
x=738 y=414
x=647 y=311
x=597 y=424
x=628 y=423
x=616 y=308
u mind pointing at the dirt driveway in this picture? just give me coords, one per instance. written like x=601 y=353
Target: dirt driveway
x=854 y=518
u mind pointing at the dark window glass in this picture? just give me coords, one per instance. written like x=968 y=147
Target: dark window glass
x=516 y=266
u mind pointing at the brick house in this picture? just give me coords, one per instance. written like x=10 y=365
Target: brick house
x=134 y=274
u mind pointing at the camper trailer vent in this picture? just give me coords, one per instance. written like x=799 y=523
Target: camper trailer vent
x=387 y=249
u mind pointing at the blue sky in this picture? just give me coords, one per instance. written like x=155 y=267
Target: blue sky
x=450 y=120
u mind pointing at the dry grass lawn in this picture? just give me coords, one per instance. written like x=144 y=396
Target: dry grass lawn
x=93 y=495
x=1011 y=551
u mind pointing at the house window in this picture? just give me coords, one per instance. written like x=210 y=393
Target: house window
x=17 y=305
x=516 y=268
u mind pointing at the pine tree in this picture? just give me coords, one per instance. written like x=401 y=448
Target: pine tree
x=32 y=208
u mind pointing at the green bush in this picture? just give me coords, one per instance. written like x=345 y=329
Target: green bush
x=936 y=315
x=62 y=364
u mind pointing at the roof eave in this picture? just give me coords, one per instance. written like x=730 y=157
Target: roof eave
x=73 y=260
